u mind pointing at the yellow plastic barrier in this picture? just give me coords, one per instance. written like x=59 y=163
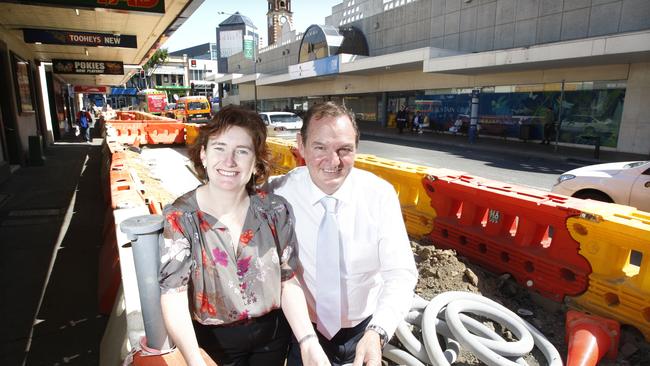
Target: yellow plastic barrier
x=282 y=155
x=407 y=180
x=615 y=240
x=191 y=133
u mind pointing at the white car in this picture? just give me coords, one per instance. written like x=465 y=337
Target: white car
x=625 y=183
x=281 y=124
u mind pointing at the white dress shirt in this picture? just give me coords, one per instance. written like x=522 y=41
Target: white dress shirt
x=378 y=272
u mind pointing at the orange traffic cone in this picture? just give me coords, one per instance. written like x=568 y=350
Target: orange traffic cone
x=590 y=338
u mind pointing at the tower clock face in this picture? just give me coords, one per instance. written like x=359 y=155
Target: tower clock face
x=283 y=19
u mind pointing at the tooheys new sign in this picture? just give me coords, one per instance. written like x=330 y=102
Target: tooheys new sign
x=87 y=67
x=51 y=36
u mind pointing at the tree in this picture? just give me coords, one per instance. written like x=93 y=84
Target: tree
x=158 y=58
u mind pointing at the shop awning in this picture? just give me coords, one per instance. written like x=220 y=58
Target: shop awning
x=124 y=91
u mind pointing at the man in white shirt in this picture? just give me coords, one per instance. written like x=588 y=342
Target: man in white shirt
x=376 y=267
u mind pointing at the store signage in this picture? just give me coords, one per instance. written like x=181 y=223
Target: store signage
x=47 y=36
x=87 y=67
x=85 y=89
x=151 y=6
x=249 y=47
x=320 y=67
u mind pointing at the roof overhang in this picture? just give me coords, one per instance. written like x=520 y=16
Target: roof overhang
x=226 y=78
x=250 y=78
x=150 y=29
x=365 y=65
x=621 y=48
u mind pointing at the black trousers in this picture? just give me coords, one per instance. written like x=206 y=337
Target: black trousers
x=259 y=341
x=340 y=349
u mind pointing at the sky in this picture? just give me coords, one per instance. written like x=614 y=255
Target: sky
x=200 y=27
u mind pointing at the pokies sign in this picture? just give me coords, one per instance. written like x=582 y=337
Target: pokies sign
x=87 y=67
x=48 y=36
x=151 y=6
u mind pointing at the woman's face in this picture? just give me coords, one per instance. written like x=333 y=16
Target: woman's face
x=229 y=159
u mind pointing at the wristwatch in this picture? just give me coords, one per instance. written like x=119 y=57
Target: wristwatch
x=383 y=336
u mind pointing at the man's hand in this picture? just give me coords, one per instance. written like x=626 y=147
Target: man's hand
x=368 y=350
x=312 y=353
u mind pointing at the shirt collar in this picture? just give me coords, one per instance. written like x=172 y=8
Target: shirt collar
x=344 y=194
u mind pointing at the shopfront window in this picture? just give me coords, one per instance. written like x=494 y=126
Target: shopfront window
x=584 y=113
x=363 y=107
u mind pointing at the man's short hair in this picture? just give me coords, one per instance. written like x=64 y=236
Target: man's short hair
x=327 y=109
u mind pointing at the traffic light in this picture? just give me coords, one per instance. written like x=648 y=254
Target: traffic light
x=141 y=73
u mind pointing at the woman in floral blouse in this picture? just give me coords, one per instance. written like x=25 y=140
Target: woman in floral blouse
x=228 y=256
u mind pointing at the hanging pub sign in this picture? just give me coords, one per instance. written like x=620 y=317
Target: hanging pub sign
x=87 y=89
x=87 y=67
x=150 y=6
x=47 y=36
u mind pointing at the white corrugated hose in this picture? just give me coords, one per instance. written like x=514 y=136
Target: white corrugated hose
x=443 y=316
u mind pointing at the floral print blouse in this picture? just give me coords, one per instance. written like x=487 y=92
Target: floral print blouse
x=196 y=255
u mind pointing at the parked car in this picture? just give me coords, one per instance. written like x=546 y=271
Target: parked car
x=281 y=124
x=625 y=183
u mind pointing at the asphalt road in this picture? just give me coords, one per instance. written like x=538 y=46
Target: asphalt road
x=520 y=169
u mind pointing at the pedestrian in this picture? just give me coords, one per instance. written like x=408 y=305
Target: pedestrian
x=358 y=271
x=418 y=121
x=84 y=119
x=402 y=116
x=228 y=256
x=549 y=125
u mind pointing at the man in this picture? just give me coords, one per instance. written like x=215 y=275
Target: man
x=402 y=117
x=84 y=119
x=366 y=286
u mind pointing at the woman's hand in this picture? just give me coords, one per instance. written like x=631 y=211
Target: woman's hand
x=312 y=353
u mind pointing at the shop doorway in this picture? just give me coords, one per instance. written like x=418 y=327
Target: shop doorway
x=11 y=148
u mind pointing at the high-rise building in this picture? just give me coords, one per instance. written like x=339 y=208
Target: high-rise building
x=230 y=37
x=279 y=14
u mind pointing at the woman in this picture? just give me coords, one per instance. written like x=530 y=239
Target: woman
x=228 y=259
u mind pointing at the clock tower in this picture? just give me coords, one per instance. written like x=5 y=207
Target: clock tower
x=278 y=14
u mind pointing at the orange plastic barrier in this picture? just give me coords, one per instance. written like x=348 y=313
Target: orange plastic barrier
x=109 y=274
x=129 y=132
x=509 y=229
x=165 y=133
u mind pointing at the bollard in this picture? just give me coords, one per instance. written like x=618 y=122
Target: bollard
x=596 y=147
x=144 y=233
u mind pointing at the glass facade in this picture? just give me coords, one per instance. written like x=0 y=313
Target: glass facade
x=364 y=107
x=580 y=113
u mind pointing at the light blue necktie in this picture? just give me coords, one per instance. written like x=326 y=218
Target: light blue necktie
x=328 y=276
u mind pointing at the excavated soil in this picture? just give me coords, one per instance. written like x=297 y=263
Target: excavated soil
x=442 y=270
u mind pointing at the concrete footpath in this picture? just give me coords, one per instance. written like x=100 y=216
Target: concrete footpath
x=51 y=219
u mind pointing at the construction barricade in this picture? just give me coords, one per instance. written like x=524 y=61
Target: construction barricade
x=191 y=132
x=509 y=229
x=284 y=155
x=616 y=241
x=164 y=133
x=407 y=180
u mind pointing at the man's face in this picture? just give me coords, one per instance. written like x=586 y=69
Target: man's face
x=329 y=151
